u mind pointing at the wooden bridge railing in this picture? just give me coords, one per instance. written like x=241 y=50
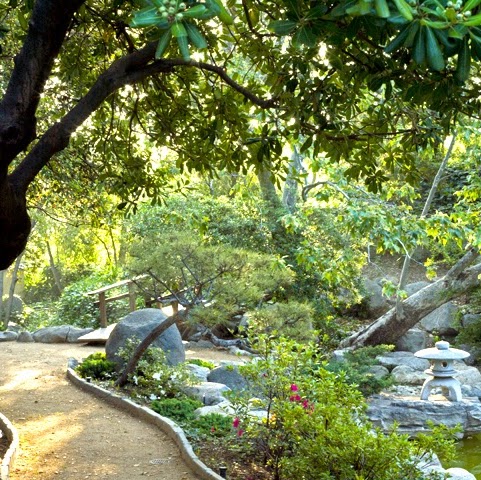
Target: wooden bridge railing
x=131 y=294
x=103 y=300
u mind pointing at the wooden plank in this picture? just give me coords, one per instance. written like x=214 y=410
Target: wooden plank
x=101 y=335
x=116 y=285
x=111 y=299
x=109 y=287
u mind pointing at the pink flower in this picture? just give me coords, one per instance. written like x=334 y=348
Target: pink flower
x=236 y=422
x=212 y=430
x=295 y=398
x=294 y=388
x=240 y=432
x=305 y=404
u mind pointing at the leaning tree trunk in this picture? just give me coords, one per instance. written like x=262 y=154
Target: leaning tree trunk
x=389 y=328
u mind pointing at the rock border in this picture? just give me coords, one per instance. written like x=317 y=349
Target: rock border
x=12 y=436
x=170 y=428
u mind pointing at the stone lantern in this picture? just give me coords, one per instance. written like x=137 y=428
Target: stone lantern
x=442 y=358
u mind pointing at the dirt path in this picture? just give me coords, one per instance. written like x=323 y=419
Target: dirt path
x=68 y=434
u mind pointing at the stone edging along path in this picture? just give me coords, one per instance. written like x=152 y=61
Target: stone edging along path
x=170 y=428
x=12 y=436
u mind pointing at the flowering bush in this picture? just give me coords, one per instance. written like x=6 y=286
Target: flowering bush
x=315 y=427
x=153 y=378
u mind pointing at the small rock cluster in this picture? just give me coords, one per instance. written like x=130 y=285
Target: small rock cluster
x=59 y=334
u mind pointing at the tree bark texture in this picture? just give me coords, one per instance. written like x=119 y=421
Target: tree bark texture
x=389 y=328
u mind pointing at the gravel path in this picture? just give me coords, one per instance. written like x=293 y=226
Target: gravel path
x=68 y=434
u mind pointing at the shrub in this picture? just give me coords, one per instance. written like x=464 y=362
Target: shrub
x=211 y=425
x=96 y=366
x=153 y=377
x=316 y=427
x=356 y=367
x=201 y=363
x=179 y=410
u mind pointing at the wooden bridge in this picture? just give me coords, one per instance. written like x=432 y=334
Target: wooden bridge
x=102 y=334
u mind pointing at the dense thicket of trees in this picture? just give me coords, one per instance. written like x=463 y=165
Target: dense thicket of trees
x=124 y=96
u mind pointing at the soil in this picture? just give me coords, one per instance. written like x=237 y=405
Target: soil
x=68 y=434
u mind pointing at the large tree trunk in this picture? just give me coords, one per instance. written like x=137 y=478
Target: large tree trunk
x=389 y=328
x=14 y=223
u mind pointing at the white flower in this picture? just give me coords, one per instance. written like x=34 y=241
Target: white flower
x=156 y=376
x=153 y=397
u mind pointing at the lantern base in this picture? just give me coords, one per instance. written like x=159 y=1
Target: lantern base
x=450 y=386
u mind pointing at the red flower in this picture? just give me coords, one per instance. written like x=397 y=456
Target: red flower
x=295 y=398
x=236 y=422
x=240 y=432
x=294 y=388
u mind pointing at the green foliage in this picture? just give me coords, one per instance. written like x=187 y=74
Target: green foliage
x=315 y=426
x=214 y=282
x=211 y=425
x=292 y=320
x=356 y=366
x=471 y=333
x=201 y=363
x=153 y=378
x=180 y=410
x=96 y=366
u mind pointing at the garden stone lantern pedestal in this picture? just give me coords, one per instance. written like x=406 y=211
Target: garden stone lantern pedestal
x=442 y=358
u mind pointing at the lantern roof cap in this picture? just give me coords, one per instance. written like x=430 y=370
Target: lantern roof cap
x=442 y=351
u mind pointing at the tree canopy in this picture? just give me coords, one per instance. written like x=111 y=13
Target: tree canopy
x=99 y=91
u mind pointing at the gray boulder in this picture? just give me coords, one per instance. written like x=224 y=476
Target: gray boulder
x=198 y=372
x=25 y=337
x=469 y=319
x=467 y=375
x=378 y=371
x=224 y=408
x=406 y=375
x=413 y=340
x=412 y=415
x=442 y=321
x=209 y=393
x=413 y=288
x=60 y=334
x=394 y=359
x=138 y=325
x=376 y=302
x=228 y=375
x=8 y=336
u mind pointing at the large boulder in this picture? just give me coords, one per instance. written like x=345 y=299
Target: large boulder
x=8 y=336
x=228 y=375
x=209 y=393
x=443 y=320
x=137 y=325
x=60 y=334
x=413 y=340
x=412 y=415
x=406 y=375
x=391 y=360
x=25 y=337
x=376 y=303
